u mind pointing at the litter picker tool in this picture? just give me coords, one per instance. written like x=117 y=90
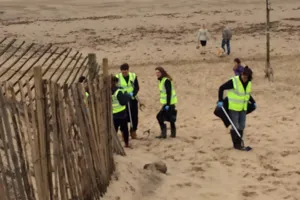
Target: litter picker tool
x=149 y=130
x=248 y=148
x=141 y=104
x=130 y=117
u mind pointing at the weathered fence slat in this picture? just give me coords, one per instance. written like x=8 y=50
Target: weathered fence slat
x=56 y=145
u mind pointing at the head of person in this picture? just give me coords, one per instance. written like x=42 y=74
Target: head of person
x=247 y=74
x=124 y=69
x=83 y=79
x=114 y=81
x=236 y=62
x=161 y=73
x=203 y=26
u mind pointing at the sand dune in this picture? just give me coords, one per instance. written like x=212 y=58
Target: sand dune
x=201 y=162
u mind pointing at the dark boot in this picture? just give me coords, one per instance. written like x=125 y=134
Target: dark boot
x=163 y=134
x=241 y=133
x=236 y=140
x=173 y=130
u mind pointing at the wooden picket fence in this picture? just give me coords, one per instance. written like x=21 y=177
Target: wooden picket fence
x=54 y=145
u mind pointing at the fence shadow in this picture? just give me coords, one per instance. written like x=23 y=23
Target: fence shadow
x=56 y=144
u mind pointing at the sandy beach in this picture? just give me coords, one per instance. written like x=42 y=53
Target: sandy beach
x=146 y=33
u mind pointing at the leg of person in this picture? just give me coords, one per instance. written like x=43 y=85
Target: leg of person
x=242 y=122
x=173 y=129
x=223 y=44
x=160 y=118
x=125 y=132
x=236 y=140
x=203 y=44
x=116 y=125
x=228 y=47
x=134 y=117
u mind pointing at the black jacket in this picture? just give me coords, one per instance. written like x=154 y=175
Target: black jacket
x=219 y=112
x=123 y=99
x=168 y=90
x=228 y=86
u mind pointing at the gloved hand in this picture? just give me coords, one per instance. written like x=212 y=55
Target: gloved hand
x=166 y=107
x=254 y=105
x=220 y=104
x=131 y=94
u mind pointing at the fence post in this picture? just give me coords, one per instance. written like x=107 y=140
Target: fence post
x=93 y=66
x=40 y=140
x=107 y=86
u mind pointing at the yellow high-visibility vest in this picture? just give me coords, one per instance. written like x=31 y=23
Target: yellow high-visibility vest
x=163 y=93
x=86 y=97
x=128 y=87
x=238 y=97
x=116 y=106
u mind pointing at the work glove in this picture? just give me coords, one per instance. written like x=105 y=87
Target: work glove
x=220 y=104
x=131 y=94
x=166 y=107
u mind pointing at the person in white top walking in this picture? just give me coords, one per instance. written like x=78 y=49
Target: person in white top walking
x=203 y=36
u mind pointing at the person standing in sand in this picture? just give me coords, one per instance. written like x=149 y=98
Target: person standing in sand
x=119 y=102
x=128 y=82
x=239 y=94
x=168 y=99
x=226 y=37
x=82 y=79
x=203 y=36
x=238 y=68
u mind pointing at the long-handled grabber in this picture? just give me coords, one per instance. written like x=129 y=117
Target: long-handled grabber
x=149 y=130
x=141 y=105
x=130 y=117
x=248 y=148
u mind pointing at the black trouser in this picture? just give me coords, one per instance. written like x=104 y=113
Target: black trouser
x=165 y=115
x=134 y=114
x=122 y=123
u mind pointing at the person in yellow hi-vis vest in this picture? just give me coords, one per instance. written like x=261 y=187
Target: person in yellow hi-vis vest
x=82 y=79
x=119 y=102
x=239 y=95
x=168 y=99
x=128 y=82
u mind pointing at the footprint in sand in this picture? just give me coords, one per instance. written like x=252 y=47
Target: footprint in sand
x=249 y=194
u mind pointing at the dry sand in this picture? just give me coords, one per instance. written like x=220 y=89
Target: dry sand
x=201 y=163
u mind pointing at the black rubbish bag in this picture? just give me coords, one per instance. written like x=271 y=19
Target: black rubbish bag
x=219 y=112
x=171 y=116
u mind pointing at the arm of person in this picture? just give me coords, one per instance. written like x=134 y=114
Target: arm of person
x=198 y=36
x=226 y=86
x=123 y=98
x=168 y=91
x=252 y=99
x=136 y=87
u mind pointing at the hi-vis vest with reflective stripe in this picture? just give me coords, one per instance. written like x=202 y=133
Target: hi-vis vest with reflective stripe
x=128 y=87
x=116 y=106
x=163 y=93
x=86 y=97
x=238 y=97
